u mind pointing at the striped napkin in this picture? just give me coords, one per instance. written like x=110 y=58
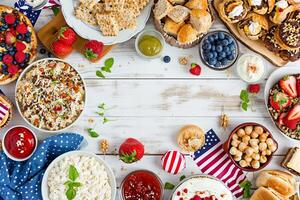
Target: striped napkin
x=3 y=111
x=213 y=160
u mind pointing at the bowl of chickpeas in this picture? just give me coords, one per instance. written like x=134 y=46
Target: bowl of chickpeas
x=250 y=146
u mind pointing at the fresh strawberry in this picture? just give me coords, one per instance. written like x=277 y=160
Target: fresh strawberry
x=281 y=118
x=254 y=88
x=21 y=28
x=20 y=56
x=298 y=87
x=280 y=101
x=288 y=84
x=294 y=113
x=93 y=50
x=60 y=49
x=10 y=38
x=20 y=46
x=10 y=18
x=291 y=124
x=66 y=35
x=7 y=59
x=196 y=197
x=13 y=69
x=131 y=150
x=195 y=69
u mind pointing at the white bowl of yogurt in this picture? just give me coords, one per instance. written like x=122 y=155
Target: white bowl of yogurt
x=250 y=68
x=201 y=186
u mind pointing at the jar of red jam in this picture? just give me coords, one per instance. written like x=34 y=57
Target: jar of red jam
x=19 y=143
x=141 y=184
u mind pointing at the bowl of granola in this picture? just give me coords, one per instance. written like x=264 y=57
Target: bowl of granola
x=282 y=98
x=50 y=95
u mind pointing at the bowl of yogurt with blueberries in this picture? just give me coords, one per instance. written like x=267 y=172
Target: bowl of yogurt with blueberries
x=218 y=50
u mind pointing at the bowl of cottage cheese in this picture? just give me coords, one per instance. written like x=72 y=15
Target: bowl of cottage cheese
x=203 y=187
x=78 y=175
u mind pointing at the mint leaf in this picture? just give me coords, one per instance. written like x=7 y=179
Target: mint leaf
x=246 y=185
x=169 y=186
x=55 y=10
x=99 y=74
x=244 y=96
x=73 y=173
x=244 y=106
x=105 y=120
x=182 y=177
x=74 y=184
x=92 y=132
x=101 y=114
x=71 y=193
x=102 y=106
x=109 y=62
x=106 y=69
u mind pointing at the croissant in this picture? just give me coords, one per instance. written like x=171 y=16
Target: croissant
x=233 y=11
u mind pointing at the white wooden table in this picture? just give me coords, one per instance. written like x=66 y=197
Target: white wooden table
x=153 y=100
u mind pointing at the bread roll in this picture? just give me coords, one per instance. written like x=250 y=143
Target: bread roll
x=279 y=182
x=263 y=193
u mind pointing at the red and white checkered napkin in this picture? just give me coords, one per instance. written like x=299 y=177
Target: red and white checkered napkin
x=213 y=160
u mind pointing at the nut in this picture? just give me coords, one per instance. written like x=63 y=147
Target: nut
x=104 y=145
x=224 y=121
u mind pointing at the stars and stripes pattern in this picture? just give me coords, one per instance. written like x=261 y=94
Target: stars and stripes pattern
x=3 y=111
x=173 y=162
x=213 y=160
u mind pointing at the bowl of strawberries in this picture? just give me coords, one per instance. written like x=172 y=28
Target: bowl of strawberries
x=282 y=98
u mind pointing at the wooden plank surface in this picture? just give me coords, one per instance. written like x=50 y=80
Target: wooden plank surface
x=153 y=100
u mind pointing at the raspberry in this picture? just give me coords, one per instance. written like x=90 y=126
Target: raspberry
x=22 y=28
x=10 y=18
x=20 y=46
x=13 y=69
x=20 y=56
x=254 y=88
x=7 y=59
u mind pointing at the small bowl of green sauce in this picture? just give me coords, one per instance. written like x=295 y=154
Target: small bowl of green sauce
x=149 y=44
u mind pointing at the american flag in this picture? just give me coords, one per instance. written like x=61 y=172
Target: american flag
x=3 y=111
x=213 y=160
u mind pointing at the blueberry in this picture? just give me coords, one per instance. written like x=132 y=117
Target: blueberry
x=230 y=40
x=14 y=62
x=42 y=51
x=218 y=64
x=2 y=44
x=27 y=35
x=219 y=58
x=11 y=53
x=206 y=46
x=232 y=47
x=4 y=66
x=1 y=54
x=211 y=38
x=166 y=59
x=222 y=54
x=19 y=37
x=49 y=55
x=215 y=36
x=212 y=61
x=226 y=49
x=215 y=54
x=219 y=48
x=206 y=51
x=22 y=64
x=28 y=40
x=10 y=49
x=228 y=53
x=224 y=61
x=230 y=57
x=206 y=41
x=221 y=35
x=225 y=42
x=15 y=24
x=213 y=47
x=210 y=55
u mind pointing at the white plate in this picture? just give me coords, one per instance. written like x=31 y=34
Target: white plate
x=272 y=80
x=93 y=33
x=111 y=176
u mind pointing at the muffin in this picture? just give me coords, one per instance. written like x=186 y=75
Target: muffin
x=287 y=34
x=5 y=110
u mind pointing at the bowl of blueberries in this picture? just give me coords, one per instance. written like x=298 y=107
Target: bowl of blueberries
x=219 y=50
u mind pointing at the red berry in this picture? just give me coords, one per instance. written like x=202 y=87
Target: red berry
x=60 y=49
x=20 y=46
x=254 y=88
x=67 y=36
x=10 y=38
x=22 y=28
x=13 y=69
x=7 y=59
x=10 y=18
x=178 y=193
x=93 y=49
x=195 y=69
x=185 y=190
x=20 y=56
x=196 y=197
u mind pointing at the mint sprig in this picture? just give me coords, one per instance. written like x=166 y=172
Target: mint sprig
x=108 y=64
x=169 y=186
x=71 y=184
x=246 y=185
x=92 y=133
x=244 y=96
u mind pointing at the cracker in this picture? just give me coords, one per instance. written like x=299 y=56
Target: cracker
x=99 y=8
x=114 y=5
x=132 y=5
x=107 y=24
x=83 y=13
x=125 y=19
x=89 y=3
x=142 y=4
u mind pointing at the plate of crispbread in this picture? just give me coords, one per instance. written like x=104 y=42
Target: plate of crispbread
x=108 y=21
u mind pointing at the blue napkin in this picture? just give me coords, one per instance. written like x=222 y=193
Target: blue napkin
x=27 y=10
x=22 y=180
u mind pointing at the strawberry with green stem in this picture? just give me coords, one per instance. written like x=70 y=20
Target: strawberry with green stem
x=131 y=150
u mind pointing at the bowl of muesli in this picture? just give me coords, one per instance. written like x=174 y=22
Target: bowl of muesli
x=282 y=98
x=50 y=95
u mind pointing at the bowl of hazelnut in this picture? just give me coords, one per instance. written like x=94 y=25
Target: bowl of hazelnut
x=250 y=146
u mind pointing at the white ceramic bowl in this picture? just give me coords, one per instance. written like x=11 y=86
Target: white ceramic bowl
x=17 y=104
x=93 y=33
x=272 y=80
x=150 y=32
x=111 y=176
x=8 y=154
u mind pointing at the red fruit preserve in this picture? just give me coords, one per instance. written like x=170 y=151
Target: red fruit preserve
x=142 y=185
x=19 y=142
